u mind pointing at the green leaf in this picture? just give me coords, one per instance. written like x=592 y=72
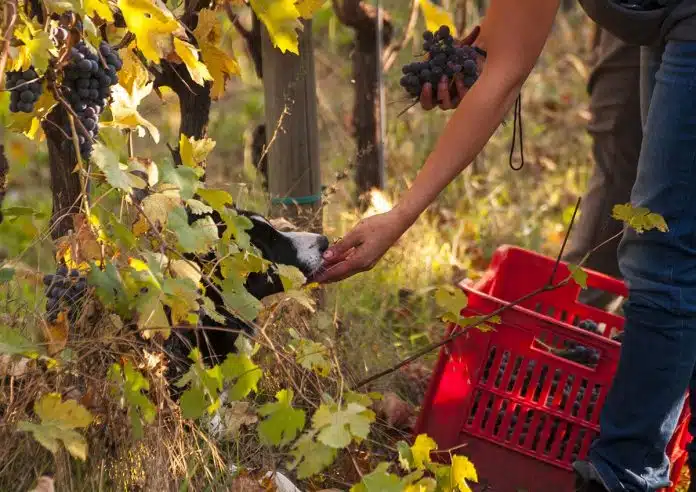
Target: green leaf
x=291 y=277
x=185 y=179
x=579 y=275
x=122 y=234
x=452 y=301
x=6 y=274
x=405 y=456
x=16 y=212
x=116 y=174
x=218 y=199
x=283 y=422
x=58 y=421
x=198 y=237
x=380 y=480
x=241 y=368
x=238 y=300
x=132 y=384
x=338 y=427
x=109 y=287
x=12 y=342
x=421 y=450
x=641 y=219
x=152 y=318
x=193 y=403
x=313 y=356
x=197 y=207
x=237 y=225
x=310 y=456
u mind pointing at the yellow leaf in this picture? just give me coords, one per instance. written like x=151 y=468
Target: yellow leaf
x=307 y=8
x=436 y=16
x=57 y=334
x=189 y=55
x=133 y=74
x=421 y=450
x=193 y=151
x=100 y=8
x=124 y=110
x=186 y=151
x=152 y=24
x=463 y=470
x=281 y=18
x=218 y=57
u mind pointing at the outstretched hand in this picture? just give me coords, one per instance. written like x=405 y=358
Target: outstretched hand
x=361 y=248
x=441 y=96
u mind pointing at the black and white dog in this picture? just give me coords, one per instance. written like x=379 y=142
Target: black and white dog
x=302 y=250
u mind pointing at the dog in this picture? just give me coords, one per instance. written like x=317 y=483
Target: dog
x=215 y=340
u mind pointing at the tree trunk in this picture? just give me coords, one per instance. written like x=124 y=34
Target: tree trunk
x=367 y=62
x=65 y=184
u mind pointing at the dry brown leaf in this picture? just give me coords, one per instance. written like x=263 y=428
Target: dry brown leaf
x=13 y=367
x=57 y=333
x=236 y=416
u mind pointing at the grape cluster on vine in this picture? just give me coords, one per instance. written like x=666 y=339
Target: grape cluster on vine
x=25 y=89
x=65 y=290
x=442 y=58
x=87 y=81
x=573 y=351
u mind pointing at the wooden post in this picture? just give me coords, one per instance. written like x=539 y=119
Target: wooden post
x=292 y=131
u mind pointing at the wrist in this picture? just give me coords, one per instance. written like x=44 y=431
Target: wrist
x=404 y=215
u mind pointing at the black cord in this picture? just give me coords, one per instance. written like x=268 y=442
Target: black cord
x=517 y=122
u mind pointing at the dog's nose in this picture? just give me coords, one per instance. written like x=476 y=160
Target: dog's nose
x=323 y=243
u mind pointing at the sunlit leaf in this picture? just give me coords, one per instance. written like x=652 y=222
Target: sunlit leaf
x=217 y=56
x=379 y=480
x=579 y=275
x=245 y=374
x=436 y=16
x=640 y=219
x=12 y=342
x=189 y=55
x=281 y=18
x=310 y=456
x=282 y=422
x=124 y=111
x=337 y=427
x=152 y=24
x=132 y=384
x=421 y=450
x=307 y=8
x=462 y=471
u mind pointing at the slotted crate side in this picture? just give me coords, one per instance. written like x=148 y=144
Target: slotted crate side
x=506 y=407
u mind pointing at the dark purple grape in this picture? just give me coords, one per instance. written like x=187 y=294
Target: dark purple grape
x=428 y=36
x=85 y=66
x=443 y=32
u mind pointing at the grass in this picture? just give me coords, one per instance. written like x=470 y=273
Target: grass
x=376 y=318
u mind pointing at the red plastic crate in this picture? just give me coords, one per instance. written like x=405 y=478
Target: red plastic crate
x=519 y=430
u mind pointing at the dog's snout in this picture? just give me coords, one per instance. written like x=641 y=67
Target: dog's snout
x=323 y=243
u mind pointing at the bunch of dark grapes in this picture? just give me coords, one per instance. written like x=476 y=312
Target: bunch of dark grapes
x=442 y=58
x=574 y=352
x=87 y=81
x=25 y=89
x=64 y=291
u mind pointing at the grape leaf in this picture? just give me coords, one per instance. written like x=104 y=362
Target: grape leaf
x=197 y=207
x=436 y=16
x=310 y=456
x=216 y=198
x=132 y=384
x=241 y=368
x=307 y=8
x=313 y=356
x=183 y=178
x=124 y=110
x=193 y=403
x=12 y=342
x=100 y=8
x=205 y=386
x=338 y=427
x=157 y=208
x=115 y=172
x=198 y=237
x=379 y=480
x=579 y=275
x=452 y=301
x=152 y=318
x=463 y=470
x=133 y=75
x=405 y=456
x=217 y=55
x=243 y=263
x=186 y=269
x=640 y=219
x=193 y=152
x=182 y=298
x=424 y=485
x=189 y=55
x=121 y=234
x=421 y=450
x=281 y=19
x=109 y=287
x=152 y=24
x=235 y=416
x=58 y=421
x=38 y=47
x=6 y=274
x=238 y=300
x=237 y=227
x=291 y=277
x=283 y=422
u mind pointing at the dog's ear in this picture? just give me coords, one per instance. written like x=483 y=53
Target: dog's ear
x=283 y=225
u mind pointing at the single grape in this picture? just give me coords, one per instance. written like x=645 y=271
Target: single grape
x=443 y=31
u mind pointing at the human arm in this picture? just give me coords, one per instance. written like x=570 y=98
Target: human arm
x=513 y=34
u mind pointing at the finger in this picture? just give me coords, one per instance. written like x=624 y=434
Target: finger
x=340 y=250
x=338 y=272
x=426 y=97
x=461 y=87
x=471 y=37
x=443 y=94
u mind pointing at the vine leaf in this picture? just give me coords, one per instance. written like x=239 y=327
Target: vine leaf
x=640 y=219
x=421 y=451
x=379 y=480
x=310 y=456
x=37 y=48
x=203 y=393
x=241 y=368
x=337 y=427
x=133 y=75
x=283 y=422
x=124 y=110
x=463 y=470
x=152 y=24
x=58 y=421
x=193 y=152
x=452 y=301
x=436 y=16
x=217 y=199
x=12 y=342
x=405 y=456
x=156 y=207
x=312 y=356
x=307 y=8
x=198 y=237
x=239 y=300
x=291 y=277
x=131 y=385
x=189 y=55
x=6 y=274
x=116 y=174
x=216 y=54
x=281 y=19
x=579 y=275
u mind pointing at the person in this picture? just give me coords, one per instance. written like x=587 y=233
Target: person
x=617 y=133
x=658 y=355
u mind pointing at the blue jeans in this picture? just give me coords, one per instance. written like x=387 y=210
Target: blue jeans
x=658 y=355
